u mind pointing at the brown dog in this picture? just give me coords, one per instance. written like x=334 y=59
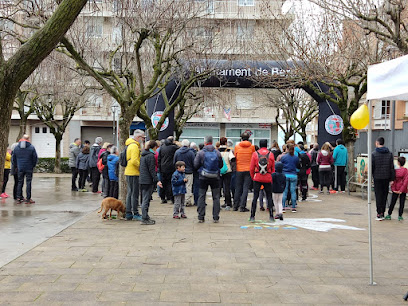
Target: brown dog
x=109 y=204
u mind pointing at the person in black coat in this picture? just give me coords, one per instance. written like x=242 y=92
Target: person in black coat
x=166 y=168
x=278 y=187
x=105 y=174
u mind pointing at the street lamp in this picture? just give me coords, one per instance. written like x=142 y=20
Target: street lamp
x=115 y=123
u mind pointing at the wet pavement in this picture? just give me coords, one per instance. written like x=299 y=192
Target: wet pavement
x=24 y=226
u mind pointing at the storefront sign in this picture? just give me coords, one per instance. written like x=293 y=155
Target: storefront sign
x=334 y=125
x=155 y=120
x=202 y=125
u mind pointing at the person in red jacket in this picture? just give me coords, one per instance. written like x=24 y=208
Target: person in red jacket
x=399 y=189
x=261 y=168
x=325 y=161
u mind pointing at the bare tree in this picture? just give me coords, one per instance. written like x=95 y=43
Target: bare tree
x=24 y=105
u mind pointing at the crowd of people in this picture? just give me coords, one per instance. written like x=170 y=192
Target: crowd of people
x=182 y=172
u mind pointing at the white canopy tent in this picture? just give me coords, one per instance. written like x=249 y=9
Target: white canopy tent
x=385 y=81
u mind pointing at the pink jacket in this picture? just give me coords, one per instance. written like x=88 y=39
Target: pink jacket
x=401 y=180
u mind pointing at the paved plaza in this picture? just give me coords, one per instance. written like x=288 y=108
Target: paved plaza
x=317 y=256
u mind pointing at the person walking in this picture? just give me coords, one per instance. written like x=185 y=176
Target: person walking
x=186 y=155
x=340 y=157
x=243 y=154
x=74 y=150
x=227 y=154
x=132 y=172
x=82 y=164
x=93 y=164
x=148 y=179
x=7 y=169
x=290 y=166
x=25 y=157
x=261 y=168
x=166 y=168
x=315 y=167
x=399 y=189
x=383 y=174
x=278 y=187
x=178 y=185
x=113 y=172
x=208 y=162
x=325 y=162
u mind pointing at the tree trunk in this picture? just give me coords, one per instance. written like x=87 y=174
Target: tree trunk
x=22 y=129
x=6 y=107
x=124 y=127
x=178 y=133
x=351 y=167
x=57 y=165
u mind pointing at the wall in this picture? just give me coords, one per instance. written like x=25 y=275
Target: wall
x=90 y=133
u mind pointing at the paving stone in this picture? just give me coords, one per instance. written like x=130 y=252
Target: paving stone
x=190 y=297
x=17 y=296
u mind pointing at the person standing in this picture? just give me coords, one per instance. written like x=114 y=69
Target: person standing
x=304 y=169
x=208 y=162
x=93 y=164
x=82 y=164
x=148 y=179
x=166 y=168
x=278 y=187
x=340 y=157
x=227 y=154
x=325 y=162
x=132 y=172
x=275 y=149
x=7 y=168
x=315 y=167
x=186 y=154
x=113 y=172
x=383 y=174
x=105 y=175
x=74 y=150
x=399 y=189
x=178 y=185
x=243 y=154
x=14 y=171
x=261 y=168
x=196 y=180
x=25 y=157
x=290 y=166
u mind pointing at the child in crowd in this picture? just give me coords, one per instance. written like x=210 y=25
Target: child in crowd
x=113 y=172
x=82 y=166
x=399 y=189
x=178 y=184
x=278 y=187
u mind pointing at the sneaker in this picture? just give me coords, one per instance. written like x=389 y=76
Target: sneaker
x=262 y=209
x=29 y=201
x=251 y=219
x=200 y=221
x=333 y=191
x=378 y=218
x=388 y=217
x=228 y=208
x=84 y=190
x=400 y=218
x=163 y=202
x=283 y=210
x=235 y=209
x=277 y=217
x=176 y=217
x=19 y=201
x=148 y=222
x=271 y=219
x=382 y=217
x=216 y=221
x=281 y=217
x=313 y=188
x=224 y=206
x=4 y=195
x=97 y=192
x=183 y=216
x=243 y=209
x=321 y=191
x=74 y=189
x=328 y=192
x=293 y=210
x=343 y=191
x=129 y=218
x=137 y=218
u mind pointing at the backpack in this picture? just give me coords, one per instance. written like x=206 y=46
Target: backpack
x=263 y=163
x=210 y=168
x=122 y=157
x=224 y=168
x=304 y=161
x=100 y=165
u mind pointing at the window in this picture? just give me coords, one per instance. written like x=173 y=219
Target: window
x=244 y=101
x=95 y=101
x=245 y=31
x=197 y=134
x=117 y=35
x=385 y=109
x=117 y=64
x=205 y=34
x=94 y=28
x=44 y=130
x=246 y=2
x=37 y=130
x=256 y=135
x=406 y=109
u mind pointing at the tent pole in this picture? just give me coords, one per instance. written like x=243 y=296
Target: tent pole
x=369 y=193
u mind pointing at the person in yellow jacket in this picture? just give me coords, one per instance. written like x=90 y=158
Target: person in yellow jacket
x=132 y=172
x=7 y=167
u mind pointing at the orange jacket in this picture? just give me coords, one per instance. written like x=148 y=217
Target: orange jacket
x=243 y=155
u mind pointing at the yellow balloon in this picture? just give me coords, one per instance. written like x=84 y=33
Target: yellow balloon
x=360 y=118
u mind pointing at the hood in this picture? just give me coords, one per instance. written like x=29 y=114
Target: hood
x=279 y=167
x=129 y=141
x=73 y=145
x=341 y=147
x=146 y=152
x=382 y=150
x=24 y=144
x=184 y=149
x=209 y=148
x=325 y=153
x=245 y=144
x=112 y=156
x=95 y=145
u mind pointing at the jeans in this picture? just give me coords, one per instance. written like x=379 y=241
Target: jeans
x=95 y=176
x=268 y=191
x=179 y=203
x=5 y=180
x=146 y=191
x=74 y=177
x=196 y=186
x=243 y=181
x=232 y=185
x=113 y=189
x=226 y=184
x=215 y=190
x=315 y=176
x=132 y=198
x=394 y=200
x=29 y=177
x=325 y=178
x=291 y=183
x=381 y=188
x=166 y=193
x=341 y=178
x=83 y=174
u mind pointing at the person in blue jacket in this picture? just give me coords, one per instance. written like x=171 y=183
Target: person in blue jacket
x=187 y=155
x=340 y=157
x=113 y=172
x=178 y=184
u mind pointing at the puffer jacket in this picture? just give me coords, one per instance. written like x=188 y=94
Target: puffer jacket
x=133 y=154
x=82 y=162
x=186 y=155
x=166 y=157
x=113 y=167
x=178 y=185
x=25 y=156
x=243 y=154
x=148 y=175
x=254 y=167
x=7 y=162
x=93 y=155
x=74 y=151
x=401 y=180
x=383 y=164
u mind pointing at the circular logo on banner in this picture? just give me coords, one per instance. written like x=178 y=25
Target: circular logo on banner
x=334 y=125
x=249 y=132
x=155 y=120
